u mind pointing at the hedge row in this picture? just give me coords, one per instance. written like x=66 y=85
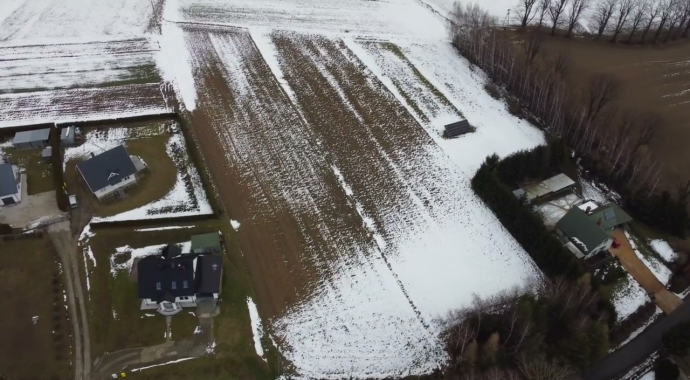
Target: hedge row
x=525 y=225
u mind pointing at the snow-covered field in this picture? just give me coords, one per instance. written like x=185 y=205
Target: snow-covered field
x=38 y=67
x=659 y=269
x=186 y=198
x=663 y=249
x=69 y=105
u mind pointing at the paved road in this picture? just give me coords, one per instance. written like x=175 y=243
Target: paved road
x=66 y=246
x=640 y=348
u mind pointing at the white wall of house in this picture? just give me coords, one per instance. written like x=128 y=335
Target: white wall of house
x=108 y=190
x=149 y=304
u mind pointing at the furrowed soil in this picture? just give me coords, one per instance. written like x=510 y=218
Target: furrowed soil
x=654 y=79
x=81 y=104
x=270 y=171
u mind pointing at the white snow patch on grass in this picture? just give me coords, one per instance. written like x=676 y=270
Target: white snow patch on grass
x=639 y=330
x=161 y=364
x=659 y=269
x=162 y=228
x=662 y=248
x=267 y=48
x=235 y=224
x=628 y=296
x=553 y=210
x=257 y=328
x=133 y=254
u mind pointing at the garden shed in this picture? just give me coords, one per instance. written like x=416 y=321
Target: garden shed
x=35 y=139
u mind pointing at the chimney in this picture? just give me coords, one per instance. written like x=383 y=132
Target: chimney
x=599 y=222
x=92 y=155
x=589 y=210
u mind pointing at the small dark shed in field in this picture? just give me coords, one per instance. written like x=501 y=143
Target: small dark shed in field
x=458 y=129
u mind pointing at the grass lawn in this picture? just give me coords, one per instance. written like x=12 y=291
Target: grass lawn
x=154 y=183
x=649 y=232
x=31 y=285
x=39 y=174
x=234 y=357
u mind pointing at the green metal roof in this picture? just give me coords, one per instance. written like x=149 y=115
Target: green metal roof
x=610 y=215
x=209 y=241
x=582 y=230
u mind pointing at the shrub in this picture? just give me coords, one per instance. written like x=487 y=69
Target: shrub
x=514 y=107
x=677 y=339
x=666 y=370
x=492 y=90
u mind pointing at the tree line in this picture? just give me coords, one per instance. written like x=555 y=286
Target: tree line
x=548 y=333
x=621 y=20
x=588 y=118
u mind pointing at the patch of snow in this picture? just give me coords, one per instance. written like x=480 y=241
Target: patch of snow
x=662 y=248
x=173 y=59
x=86 y=234
x=114 y=314
x=659 y=269
x=186 y=246
x=627 y=297
x=162 y=228
x=197 y=330
x=267 y=48
x=235 y=224
x=211 y=348
x=257 y=328
x=158 y=365
x=148 y=315
x=134 y=253
x=591 y=204
x=553 y=210
x=580 y=244
x=192 y=313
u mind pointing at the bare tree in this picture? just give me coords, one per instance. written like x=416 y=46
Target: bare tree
x=538 y=367
x=526 y=11
x=648 y=126
x=542 y=10
x=625 y=7
x=686 y=30
x=577 y=7
x=602 y=15
x=561 y=64
x=653 y=11
x=640 y=11
x=676 y=16
x=603 y=90
x=668 y=8
x=555 y=12
x=684 y=192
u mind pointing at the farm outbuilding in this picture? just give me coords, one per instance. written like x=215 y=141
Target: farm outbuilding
x=458 y=129
x=557 y=184
x=68 y=135
x=47 y=154
x=10 y=187
x=35 y=139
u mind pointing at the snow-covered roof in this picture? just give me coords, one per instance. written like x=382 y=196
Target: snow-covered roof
x=548 y=186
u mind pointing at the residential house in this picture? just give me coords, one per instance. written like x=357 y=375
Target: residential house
x=610 y=216
x=206 y=243
x=172 y=281
x=35 y=139
x=111 y=173
x=582 y=235
x=10 y=185
x=555 y=185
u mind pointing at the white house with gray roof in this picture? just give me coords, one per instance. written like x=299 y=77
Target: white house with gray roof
x=111 y=172
x=10 y=185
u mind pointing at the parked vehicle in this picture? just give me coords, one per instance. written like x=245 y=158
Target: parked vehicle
x=73 y=201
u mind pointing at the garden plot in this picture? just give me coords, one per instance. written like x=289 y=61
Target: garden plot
x=70 y=105
x=627 y=297
x=497 y=130
x=38 y=67
x=355 y=17
x=306 y=238
x=50 y=20
x=177 y=190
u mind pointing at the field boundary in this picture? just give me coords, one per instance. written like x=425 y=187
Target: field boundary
x=86 y=123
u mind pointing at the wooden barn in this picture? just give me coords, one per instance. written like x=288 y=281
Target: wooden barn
x=457 y=129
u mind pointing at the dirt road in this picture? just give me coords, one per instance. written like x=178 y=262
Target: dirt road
x=666 y=300
x=66 y=246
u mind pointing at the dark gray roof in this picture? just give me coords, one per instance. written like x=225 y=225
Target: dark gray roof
x=458 y=128
x=209 y=271
x=8 y=183
x=108 y=168
x=610 y=216
x=31 y=136
x=159 y=278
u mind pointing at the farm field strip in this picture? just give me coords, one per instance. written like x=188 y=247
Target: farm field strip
x=355 y=17
x=309 y=246
x=69 y=105
x=23 y=68
x=49 y=21
x=497 y=130
x=404 y=183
